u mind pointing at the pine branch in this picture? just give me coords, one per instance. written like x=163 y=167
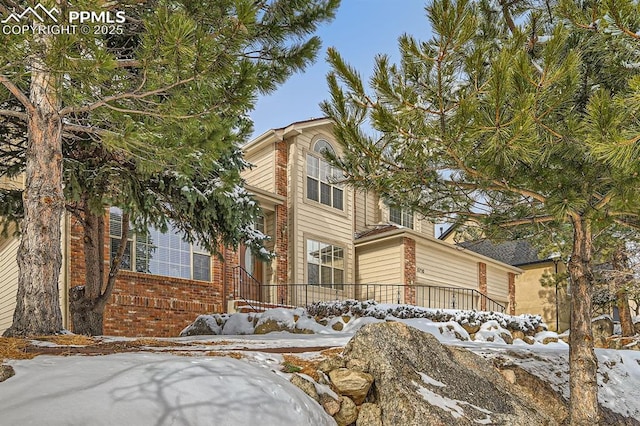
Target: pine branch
x=115 y=263
x=12 y=113
x=15 y=91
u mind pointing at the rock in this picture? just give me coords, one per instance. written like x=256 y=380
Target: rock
x=517 y=334
x=509 y=375
x=346 y=318
x=529 y=340
x=357 y=365
x=330 y=405
x=6 y=371
x=270 y=326
x=602 y=327
x=354 y=384
x=369 y=415
x=348 y=412
x=411 y=368
x=548 y=340
x=471 y=328
x=337 y=326
x=202 y=326
x=331 y=364
x=306 y=386
x=507 y=338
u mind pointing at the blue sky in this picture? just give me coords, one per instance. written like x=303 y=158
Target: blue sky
x=361 y=29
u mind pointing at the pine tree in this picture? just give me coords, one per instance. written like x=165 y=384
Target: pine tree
x=131 y=117
x=512 y=114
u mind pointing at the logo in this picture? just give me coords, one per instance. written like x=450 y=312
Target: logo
x=39 y=12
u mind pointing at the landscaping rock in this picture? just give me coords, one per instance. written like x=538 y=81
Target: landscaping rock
x=306 y=386
x=369 y=415
x=411 y=368
x=348 y=412
x=330 y=405
x=6 y=371
x=354 y=384
x=270 y=326
x=602 y=327
x=330 y=364
x=203 y=325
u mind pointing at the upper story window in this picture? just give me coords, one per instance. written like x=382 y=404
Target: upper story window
x=325 y=264
x=401 y=216
x=322 y=178
x=160 y=253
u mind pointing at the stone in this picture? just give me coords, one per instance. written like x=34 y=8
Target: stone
x=270 y=326
x=357 y=365
x=330 y=405
x=517 y=334
x=411 y=368
x=348 y=412
x=346 y=318
x=602 y=327
x=6 y=371
x=337 y=326
x=203 y=325
x=306 y=386
x=369 y=415
x=507 y=338
x=471 y=328
x=355 y=384
x=332 y=363
x=509 y=375
x=549 y=339
x=529 y=340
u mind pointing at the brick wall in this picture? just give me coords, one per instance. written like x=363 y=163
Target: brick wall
x=512 y=293
x=282 y=220
x=409 y=270
x=150 y=305
x=482 y=284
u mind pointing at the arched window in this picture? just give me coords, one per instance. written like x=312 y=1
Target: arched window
x=323 y=180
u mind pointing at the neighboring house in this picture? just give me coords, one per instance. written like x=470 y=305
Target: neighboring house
x=535 y=292
x=331 y=242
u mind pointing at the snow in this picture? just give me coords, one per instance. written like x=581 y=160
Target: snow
x=152 y=389
x=184 y=384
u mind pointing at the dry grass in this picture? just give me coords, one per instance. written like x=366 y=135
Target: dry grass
x=329 y=353
x=68 y=340
x=236 y=355
x=308 y=367
x=14 y=348
x=146 y=341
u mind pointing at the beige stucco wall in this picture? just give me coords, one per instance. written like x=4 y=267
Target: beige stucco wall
x=533 y=298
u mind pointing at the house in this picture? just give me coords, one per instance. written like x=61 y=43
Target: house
x=331 y=242
x=535 y=291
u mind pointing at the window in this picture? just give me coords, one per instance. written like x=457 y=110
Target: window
x=160 y=253
x=325 y=265
x=322 y=178
x=401 y=216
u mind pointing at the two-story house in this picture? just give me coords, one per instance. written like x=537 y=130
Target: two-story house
x=331 y=242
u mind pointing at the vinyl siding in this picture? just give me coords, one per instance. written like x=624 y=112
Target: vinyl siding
x=497 y=284
x=8 y=280
x=311 y=219
x=262 y=174
x=449 y=268
x=367 y=211
x=380 y=263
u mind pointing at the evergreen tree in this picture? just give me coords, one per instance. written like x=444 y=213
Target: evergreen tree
x=148 y=117
x=511 y=115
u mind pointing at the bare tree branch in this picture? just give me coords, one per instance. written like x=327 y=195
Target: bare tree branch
x=15 y=91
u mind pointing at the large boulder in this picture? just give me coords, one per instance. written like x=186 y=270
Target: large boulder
x=419 y=381
x=354 y=384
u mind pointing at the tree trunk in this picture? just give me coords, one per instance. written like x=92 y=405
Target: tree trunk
x=86 y=311
x=39 y=254
x=583 y=364
x=621 y=277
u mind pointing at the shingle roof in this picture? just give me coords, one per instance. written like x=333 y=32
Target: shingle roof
x=378 y=229
x=515 y=253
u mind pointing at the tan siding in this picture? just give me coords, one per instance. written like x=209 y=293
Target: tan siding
x=423 y=226
x=314 y=220
x=367 y=212
x=262 y=174
x=497 y=284
x=448 y=268
x=380 y=263
x=8 y=280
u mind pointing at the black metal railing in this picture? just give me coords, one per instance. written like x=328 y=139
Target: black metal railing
x=261 y=296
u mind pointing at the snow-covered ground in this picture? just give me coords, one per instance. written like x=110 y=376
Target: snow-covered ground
x=165 y=388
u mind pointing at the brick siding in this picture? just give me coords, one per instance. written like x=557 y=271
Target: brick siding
x=282 y=220
x=151 y=305
x=482 y=284
x=512 y=293
x=409 y=270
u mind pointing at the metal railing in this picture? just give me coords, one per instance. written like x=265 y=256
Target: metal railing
x=261 y=296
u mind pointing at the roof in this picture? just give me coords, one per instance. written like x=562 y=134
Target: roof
x=379 y=229
x=516 y=252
